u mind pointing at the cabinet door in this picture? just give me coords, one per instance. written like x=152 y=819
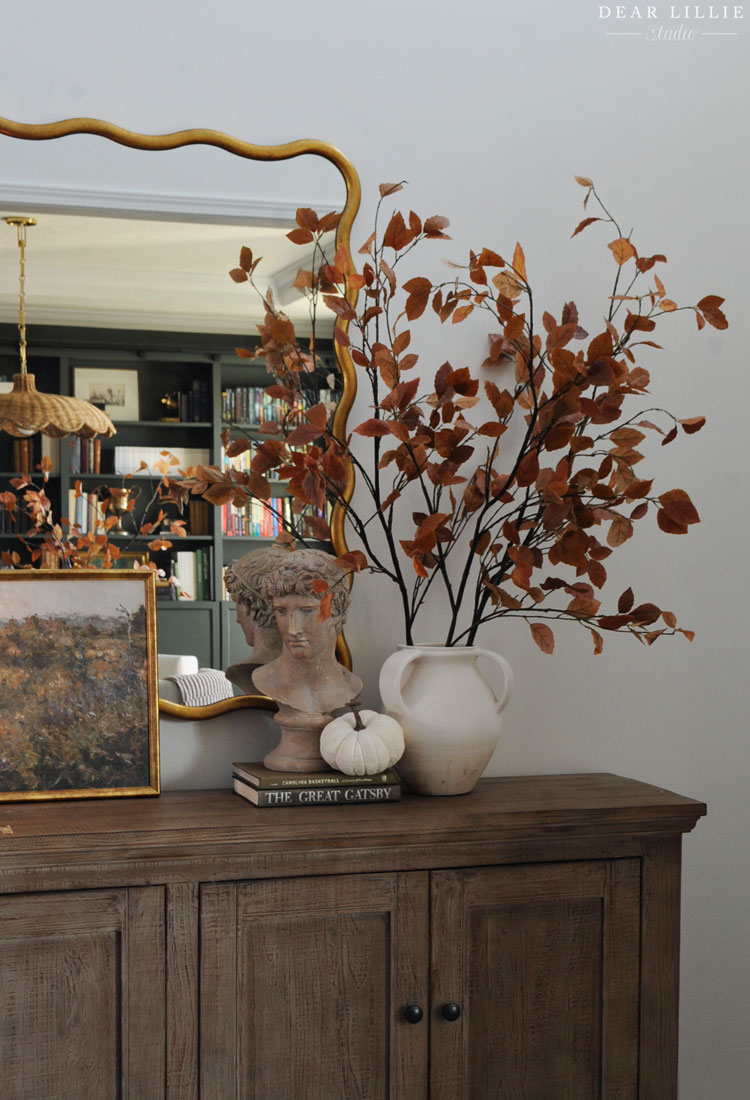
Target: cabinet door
x=82 y=995
x=543 y=963
x=304 y=983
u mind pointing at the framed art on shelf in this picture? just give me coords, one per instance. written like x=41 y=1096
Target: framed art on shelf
x=115 y=389
x=78 y=684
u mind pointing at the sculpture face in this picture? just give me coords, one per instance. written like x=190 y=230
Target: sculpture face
x=303 y=633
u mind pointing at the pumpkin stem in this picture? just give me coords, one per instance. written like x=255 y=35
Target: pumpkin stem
x=358 y=723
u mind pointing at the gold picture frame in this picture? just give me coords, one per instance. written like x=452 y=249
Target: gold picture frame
x=78 y=684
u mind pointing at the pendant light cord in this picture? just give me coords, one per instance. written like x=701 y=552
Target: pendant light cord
x=21 y=224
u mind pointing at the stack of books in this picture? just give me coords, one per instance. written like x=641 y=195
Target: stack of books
x=267 y=788
x=192 y=571
x=85 y=455
x=128 y=460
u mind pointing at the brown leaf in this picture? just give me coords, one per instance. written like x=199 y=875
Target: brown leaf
x=669 y=525
x=479 y=545
x=434 y=227
x=620 y=530
x=519 y=262
x=542 y=635
x=636 y=489
x=626 y=601
x=636 y=323
x=389 y=189
x=709 y=307
x=645 y=263
x=622 y=250
x=307 y=219
x=397 y=235
x=528 y=469
x=561 y=335
x=353 y=561
x=558 y=436
x=219 y=494
x=679 y=507
x=693 y=424
x=492 y=429
x=372 y=428
x=582 y=225
x=300 y=236
x=302 y=434
x=329 y=221
x=645 y=614
x=239 y=276
x=390 y=276
x=461 y=314
x=488 y=258
x=584 y=181
x=237 y=447
x=502 y=401
x=318 y=417
x=419 y=290
x=598 y=641
x=340 y=307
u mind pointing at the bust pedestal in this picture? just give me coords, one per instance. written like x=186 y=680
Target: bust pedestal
x=299 y=747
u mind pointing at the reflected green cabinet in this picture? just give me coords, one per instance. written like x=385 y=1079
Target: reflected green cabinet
x=517 y=943
x=202 y=376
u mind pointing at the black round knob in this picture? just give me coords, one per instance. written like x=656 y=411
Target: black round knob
x=451 y=1012
x=413 y=1014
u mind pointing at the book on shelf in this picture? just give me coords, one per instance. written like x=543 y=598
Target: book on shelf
x=23 y=459
x=192 y=572
x=252 y=405
x=165 y=590
x=86 y=455
x=199 y=516
x=29 y=452
x=258 y=776
x=129 y=459
x=257 y=518
x=194 y=401
x=360 y=795
x=260 y=519
x=86 y=511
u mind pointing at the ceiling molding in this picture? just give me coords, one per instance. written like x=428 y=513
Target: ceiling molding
x=33 y=199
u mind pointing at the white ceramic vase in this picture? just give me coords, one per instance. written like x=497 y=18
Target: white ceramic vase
x=449 y=714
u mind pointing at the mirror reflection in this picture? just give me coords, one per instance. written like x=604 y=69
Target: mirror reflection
x=141 y=310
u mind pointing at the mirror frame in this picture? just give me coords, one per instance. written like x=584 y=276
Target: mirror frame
x=247 y=151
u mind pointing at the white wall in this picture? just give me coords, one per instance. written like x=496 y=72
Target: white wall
x=489 y=109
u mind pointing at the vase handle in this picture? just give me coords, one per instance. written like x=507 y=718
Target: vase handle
x=391 y=676
x=507 y=673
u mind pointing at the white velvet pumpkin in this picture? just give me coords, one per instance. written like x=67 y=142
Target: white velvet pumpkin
x=362 y=752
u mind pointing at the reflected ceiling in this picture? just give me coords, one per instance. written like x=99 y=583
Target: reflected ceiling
x=125 y=272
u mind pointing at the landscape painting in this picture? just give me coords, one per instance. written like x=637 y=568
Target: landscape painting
x=78 y=684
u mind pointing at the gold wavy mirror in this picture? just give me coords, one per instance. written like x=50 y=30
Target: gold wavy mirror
x=202 y=140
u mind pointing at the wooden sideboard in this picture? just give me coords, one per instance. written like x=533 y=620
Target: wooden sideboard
x=517 y=942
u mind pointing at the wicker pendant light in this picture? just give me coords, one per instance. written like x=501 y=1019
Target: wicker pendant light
x=25 y=411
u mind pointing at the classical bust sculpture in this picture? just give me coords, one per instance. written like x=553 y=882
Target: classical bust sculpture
x=243 y=579
x=306 y=679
